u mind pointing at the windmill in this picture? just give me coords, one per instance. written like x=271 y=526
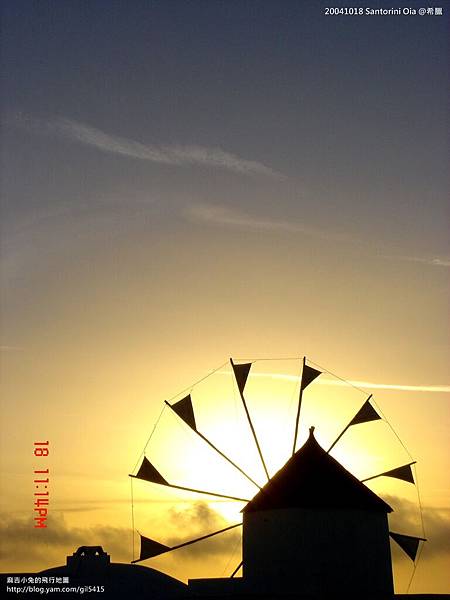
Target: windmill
x=312 y=528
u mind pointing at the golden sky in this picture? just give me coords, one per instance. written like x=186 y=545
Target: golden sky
x=188 y=182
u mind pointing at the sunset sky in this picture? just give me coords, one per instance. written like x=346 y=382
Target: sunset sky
x=184 y=182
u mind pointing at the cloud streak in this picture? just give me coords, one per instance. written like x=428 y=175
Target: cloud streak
x=442 y=389
x=224 y=216
x=176 y=154
x=434 y=262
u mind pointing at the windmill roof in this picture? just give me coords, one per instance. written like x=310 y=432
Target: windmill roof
x=312 y=478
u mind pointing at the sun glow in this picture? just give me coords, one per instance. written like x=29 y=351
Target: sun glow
x=272 y=398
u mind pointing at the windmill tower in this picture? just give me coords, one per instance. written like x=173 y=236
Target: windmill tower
x=312 y=531
x=315 y=530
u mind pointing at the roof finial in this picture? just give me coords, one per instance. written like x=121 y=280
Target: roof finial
x=311 y=430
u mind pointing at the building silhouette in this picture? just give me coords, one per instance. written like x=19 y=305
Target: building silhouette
x=311 y=530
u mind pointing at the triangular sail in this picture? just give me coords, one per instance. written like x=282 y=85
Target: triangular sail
x=408 y=543
x=308 y=376
x=185 y=411
x=241 y=373
x=147 y=472
x=404 y=473
x=365 y=414
x=150 y=548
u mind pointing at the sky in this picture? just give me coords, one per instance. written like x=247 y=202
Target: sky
x=184 y=182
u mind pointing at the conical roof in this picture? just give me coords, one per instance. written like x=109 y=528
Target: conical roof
x=314 y=479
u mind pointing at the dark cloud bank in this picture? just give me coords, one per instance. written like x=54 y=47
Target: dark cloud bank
x=22 y=543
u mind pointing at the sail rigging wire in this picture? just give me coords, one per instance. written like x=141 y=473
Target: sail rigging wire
x=422 y=539
x=149 y=438
x=253 y=360
x=231 y=556
x=393 y=431
x=416 y=562
x=190 y=388
x=132 y=514
x=372 y=399
x=337 y=377
x=419 y=500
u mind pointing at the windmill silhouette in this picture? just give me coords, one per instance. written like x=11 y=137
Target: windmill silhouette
x=312 y=528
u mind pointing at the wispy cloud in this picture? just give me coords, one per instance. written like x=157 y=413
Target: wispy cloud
x=225 y=216
x=434 y=262
x=228 y=217
x=390 y=386
x=443 y=389
x=176 y=154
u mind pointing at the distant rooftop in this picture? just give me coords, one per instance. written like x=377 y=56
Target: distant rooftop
x=91 y=565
